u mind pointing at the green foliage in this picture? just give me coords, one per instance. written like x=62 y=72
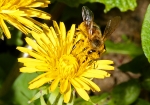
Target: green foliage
x=123 y=5
x=141 y=102
x=42 y=101
x=41 y=92
x=138 y=65
x=22 y=94
x=53 y=96
x=103 y=99
x=126 y=93
x=145 y=35
x=97 y=99
x=126 y=47
x=146 y=83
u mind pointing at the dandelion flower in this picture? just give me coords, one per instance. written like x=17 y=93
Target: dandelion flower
x=62 y=63
x=19 y=13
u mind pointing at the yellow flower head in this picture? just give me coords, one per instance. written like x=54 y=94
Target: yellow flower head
x=19 y=13
x=59 y=56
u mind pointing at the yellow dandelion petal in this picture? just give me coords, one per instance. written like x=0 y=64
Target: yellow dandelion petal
x=43 y=67
x=22 y=3
x=64 y=85
x=26 y=22
x=4 y=28
x=101 y=62
x=29 y=60
x=63 y=32
x=55 y=36
x=44 y=39
x=56 y=27
x=22 y=49
x=26 y=50
x=54 y=84
x=39 y=3
x=36 y=13
x=95 y=74
x=84 y=85
x=67 y=95
x=90 y=83
x=40 y=66
x=32 y=43
x=105 y=67
x=38 y=83
x=15 y=23
x=18 y=12
x=83 y=93
x=70 y=35
x=36 y=65
x=38 y=23
x=38 y=77
x=38 y=40
x=75 y=83
x=51 y=37
x=30 y=70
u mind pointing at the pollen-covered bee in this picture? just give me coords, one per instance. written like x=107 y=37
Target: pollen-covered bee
x=93 y=33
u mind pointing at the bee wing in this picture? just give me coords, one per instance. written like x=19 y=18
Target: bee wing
x=88 y=18
x=111 y=26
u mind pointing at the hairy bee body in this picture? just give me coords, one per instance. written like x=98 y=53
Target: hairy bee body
x=90 y=31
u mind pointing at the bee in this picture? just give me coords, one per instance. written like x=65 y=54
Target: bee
x=92 y=31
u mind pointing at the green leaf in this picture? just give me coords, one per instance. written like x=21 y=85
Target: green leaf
x=126 y=93
x=80 y=101
x=60 y=101
x=141 y=102
x=145 y=77
x=39 y=94
x=145 y=35
x=103 y=99
x=126 y=47
x=22 y=94
x=146 y=83
x=123 y=5
x=54 y=96
x=138 y=65
x=42 y=101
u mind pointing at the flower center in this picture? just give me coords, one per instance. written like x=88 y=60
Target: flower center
x=67 y=66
